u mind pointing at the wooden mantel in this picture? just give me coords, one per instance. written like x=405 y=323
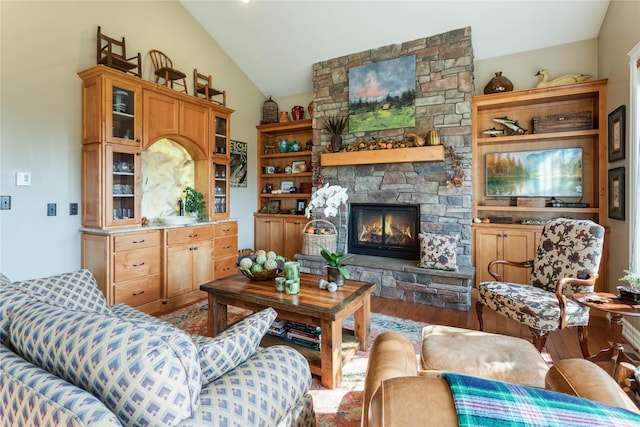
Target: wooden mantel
x=433 y=153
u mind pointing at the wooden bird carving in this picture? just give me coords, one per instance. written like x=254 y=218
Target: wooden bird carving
x=562 y=80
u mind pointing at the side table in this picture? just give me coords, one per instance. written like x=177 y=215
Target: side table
x=617 y=309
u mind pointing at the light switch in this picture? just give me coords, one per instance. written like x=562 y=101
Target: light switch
x=23 y=178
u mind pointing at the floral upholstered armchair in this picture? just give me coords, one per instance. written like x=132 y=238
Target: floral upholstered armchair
x=567 y=261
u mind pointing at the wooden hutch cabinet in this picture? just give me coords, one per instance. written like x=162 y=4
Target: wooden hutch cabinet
x=279 y=221
x=122 y=116
x=515 y=231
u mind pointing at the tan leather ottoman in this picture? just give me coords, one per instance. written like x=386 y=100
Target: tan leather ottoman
x=482 y=354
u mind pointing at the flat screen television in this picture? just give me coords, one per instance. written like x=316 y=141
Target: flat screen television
x=536 y=173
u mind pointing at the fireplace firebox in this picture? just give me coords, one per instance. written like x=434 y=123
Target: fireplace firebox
x=383 y=229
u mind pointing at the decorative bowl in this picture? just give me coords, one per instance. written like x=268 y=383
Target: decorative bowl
x=261 y=275
x=178 y=220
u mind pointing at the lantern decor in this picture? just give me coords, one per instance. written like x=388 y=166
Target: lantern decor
x=269 y=112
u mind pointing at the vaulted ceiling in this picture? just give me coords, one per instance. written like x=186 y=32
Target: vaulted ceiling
x=276 y=42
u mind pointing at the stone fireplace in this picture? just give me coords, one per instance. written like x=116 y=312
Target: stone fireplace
x=444 y=88
x=383 y=229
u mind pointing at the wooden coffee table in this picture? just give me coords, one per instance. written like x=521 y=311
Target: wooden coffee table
x=312 y=306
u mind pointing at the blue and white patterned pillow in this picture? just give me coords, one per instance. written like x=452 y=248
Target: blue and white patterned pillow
x=35 y=397
x=76 y=290
x=134 y=372
x=438 y=251
x=222 y=353
x=11 y=299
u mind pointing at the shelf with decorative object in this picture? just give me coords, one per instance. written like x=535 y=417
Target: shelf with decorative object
x=279 y=218
x=522 y=136
x=432 y=153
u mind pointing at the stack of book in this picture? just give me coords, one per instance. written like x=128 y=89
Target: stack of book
x=304 y=335
x=278 y=328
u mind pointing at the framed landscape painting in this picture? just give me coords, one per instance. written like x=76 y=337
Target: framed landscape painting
x=382 y=95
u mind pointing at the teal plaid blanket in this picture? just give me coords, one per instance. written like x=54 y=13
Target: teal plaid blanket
x=482 y=402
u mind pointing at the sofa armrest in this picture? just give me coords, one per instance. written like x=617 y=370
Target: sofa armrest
x=413 y=401
x=583 y=378
x=392 y=355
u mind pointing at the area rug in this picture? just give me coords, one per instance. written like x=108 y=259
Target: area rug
x=342 y=406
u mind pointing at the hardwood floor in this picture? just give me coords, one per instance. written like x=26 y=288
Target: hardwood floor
x=560 y=344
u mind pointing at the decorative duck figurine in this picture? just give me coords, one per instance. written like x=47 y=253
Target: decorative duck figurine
x=562 y=80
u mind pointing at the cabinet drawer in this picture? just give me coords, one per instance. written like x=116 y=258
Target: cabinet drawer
x=189 y=234
x=226 y=228
x=129 y=241
x=138 y=291
x=132 y=264
x=225 y=266
x=226 y=246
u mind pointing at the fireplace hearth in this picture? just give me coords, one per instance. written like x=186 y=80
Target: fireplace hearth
x=382 y=229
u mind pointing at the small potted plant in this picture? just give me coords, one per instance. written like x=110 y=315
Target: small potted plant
x=631 y=292
x=335 y=125
x=336 y=271
x=195 y=204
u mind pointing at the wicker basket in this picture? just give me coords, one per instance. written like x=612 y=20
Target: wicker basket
x=312 y=244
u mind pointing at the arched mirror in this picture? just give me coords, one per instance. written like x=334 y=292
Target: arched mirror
x=167 y=169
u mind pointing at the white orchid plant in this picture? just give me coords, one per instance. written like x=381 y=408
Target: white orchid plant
x=329 y=197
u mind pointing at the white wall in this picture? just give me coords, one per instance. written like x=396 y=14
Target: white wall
x=520 y=68
x=44 y=45
x=619 y=33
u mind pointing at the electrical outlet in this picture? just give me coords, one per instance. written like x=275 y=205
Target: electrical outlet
x=5 y=203
x=51 y=209
x=73 y=209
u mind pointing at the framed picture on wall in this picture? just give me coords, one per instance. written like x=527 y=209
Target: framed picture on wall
x=301 y=205
x=616 y=193
x=617 y=123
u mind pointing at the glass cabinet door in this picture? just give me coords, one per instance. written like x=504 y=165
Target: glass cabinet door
x=220 y=189
x=123 y=186
x=123 y=113
x=221 y=139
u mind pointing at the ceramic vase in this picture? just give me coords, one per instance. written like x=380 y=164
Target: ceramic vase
x=297 y=112
x=336 y=143
x=283 y=145
x=498 y=84
x=334 y=275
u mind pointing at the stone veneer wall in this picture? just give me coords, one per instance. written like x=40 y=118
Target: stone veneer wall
x=444 y=87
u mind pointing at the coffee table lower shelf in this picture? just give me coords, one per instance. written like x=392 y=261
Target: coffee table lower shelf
x=350 y=345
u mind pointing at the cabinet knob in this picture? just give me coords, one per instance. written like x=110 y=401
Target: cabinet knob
x=138 y=265
x=135 y=294
x=506 y=235
x=192 y=236
x=226 y=247
x=138 y=241
x=195 y=248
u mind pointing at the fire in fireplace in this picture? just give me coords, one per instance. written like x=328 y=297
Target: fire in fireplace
x=382 y=229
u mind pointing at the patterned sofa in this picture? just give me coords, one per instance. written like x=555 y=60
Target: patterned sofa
x=67 y=358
